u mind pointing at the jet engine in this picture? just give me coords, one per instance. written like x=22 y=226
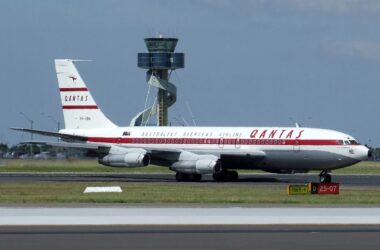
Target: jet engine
x=125 y=158
x=190 y=163
x=203 y=166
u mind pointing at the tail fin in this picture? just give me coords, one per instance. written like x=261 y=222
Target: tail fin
x=79 y=108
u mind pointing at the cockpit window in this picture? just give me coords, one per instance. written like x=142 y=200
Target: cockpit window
x=340 y=142
x=353 y=142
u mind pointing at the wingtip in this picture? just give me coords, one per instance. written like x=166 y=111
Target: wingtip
x=13 y=128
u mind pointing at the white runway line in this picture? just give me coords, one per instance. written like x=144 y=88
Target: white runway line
x=113 y=189
x=188 y=216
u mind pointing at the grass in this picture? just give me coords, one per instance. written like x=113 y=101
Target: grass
x=92 y=166
x=365 y=167
x=185 y=193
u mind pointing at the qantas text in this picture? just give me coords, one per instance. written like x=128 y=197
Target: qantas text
x=76 y=98
x=276 y=133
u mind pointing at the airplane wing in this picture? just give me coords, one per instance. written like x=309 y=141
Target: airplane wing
x=79 y=145
x=161 y=156
x=52 y=134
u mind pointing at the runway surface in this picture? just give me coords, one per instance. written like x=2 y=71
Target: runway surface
x=190 y=237
x=252 y=179
x=226 y=215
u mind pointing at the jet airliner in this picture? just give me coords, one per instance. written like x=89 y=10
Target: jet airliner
x=194 y=151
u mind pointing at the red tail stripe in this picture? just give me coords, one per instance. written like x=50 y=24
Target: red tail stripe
x=72 y=89
x=80 y=107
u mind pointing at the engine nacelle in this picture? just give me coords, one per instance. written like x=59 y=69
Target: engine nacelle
x=201 y=166
x=132 y=159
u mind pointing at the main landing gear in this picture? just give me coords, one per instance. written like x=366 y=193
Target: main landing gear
x=225 y=175
x=221 y=176
x=324 y=177
x=187 y=177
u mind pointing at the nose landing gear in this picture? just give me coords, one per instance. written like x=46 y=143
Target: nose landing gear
x=324 y=177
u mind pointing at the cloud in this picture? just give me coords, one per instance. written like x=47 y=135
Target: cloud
x=358 y=49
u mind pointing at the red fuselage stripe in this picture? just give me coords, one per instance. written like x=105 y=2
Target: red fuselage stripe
x=72 y=89
x=215 y=141
x=80 y=107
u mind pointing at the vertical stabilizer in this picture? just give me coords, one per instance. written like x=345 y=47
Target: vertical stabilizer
x=79 y=108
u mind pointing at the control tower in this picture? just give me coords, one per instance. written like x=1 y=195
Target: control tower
x=159 y=61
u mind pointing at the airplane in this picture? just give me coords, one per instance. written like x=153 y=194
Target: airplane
x=194 y=151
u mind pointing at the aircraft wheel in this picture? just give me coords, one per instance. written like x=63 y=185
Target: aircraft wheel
x=234 y=176
x=226 y=176
x=218 y=176
x=195 y=177
x=180 y=176
x=325 y=178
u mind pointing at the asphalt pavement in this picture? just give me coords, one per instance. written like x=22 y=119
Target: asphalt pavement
x=250 y=179
x=190 y=237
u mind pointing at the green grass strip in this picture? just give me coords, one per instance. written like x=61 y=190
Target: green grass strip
x=178 y=193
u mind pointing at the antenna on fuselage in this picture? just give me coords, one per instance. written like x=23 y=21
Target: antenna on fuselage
x=296 y=124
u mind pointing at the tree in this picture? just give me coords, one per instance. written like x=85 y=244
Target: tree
x=4 y=147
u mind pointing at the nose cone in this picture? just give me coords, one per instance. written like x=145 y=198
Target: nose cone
x=363 y=153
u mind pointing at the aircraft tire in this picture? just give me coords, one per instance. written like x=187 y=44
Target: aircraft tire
x=180 y=176
x=234 y=176
x=187 y=177
x=226 y=176
x=326 y=178
x=195 y=177
x=218 y=176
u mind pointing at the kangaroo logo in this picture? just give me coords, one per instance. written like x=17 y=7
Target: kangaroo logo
x=73 y=78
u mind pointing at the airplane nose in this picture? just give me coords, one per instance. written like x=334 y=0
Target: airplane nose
x=364 y=153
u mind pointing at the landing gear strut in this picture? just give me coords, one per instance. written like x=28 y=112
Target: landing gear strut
x=324 y=177
x=187 y=177
x=226 y=176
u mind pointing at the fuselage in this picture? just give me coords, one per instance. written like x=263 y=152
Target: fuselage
x=287 y=149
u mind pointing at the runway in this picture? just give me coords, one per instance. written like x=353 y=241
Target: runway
x=246 y=179
x=211 y=215
x=190 y=237
x=189 y=228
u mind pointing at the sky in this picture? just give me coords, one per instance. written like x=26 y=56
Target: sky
x=247 y=62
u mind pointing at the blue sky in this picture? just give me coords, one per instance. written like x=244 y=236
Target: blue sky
x=248 y=63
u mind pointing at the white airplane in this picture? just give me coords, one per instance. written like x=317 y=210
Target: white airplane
x=194 y=151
